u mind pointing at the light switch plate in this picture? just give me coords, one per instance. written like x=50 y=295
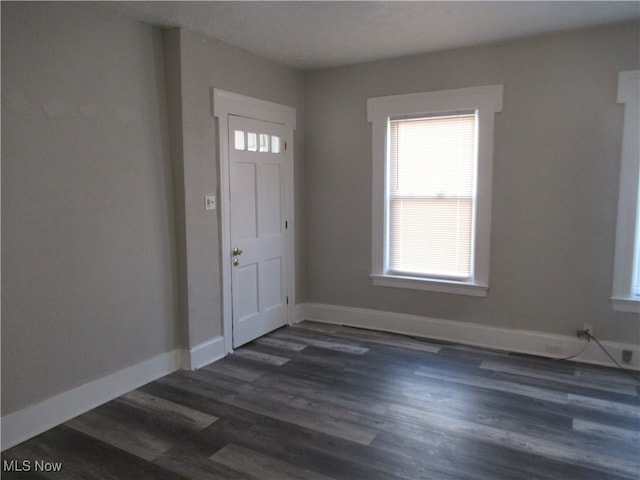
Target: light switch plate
x=210 y=202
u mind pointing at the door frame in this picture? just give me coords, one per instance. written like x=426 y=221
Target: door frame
x=227 y=103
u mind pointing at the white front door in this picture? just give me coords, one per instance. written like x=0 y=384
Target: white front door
x=257 y=163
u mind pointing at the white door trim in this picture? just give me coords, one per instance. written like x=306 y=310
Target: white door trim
x=227 y=103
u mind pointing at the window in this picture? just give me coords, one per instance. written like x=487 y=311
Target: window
x=266 y=142
x=431 y=195
x=432 y=162
x=626 y=276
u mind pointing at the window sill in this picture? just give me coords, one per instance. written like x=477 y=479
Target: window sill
x=631 y=305
x=442 y=286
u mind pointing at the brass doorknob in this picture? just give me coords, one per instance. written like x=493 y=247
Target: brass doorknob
x=236 y=262
x=236 y=251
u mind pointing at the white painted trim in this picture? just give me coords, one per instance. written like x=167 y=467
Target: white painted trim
x=484 y=97
x=519 y=341
x=441 y=286
x=487 y=101
x=36 y=419
x=225 y=102
x=203 y=354
x=225 y=227
x=627 y=232
x=630 y=305
x=228 y=103
x=300 y=313
x=291 y=236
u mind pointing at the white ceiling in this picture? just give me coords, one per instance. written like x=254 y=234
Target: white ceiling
x=309 y=34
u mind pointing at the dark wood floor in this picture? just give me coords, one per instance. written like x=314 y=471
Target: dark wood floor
x=325 y=402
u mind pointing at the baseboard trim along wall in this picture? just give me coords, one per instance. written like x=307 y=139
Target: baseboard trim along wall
x=517 y=341
x=300 y=312
x=36 y=419
x=202 y=354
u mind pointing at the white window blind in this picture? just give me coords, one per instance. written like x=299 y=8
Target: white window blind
x=431 y=190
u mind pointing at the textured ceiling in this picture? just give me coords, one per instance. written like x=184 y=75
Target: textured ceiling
x=320 y=34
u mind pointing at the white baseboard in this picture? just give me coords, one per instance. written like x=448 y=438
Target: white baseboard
x=299 y=312
x=518 y=341
x=36 y=419
x=203 y=354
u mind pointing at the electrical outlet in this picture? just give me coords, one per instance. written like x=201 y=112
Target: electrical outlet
x=582 y=333
x=210 y=202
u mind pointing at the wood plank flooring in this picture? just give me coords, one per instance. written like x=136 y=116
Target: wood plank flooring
x=324 y=402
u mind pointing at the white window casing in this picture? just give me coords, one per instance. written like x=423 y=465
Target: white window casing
x=626 y=268
x=485 y=102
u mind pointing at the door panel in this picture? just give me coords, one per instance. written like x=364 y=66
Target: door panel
x=270 y=200
x=258 y=227
x=246 y=202
x=247 y=286
x=272 y=290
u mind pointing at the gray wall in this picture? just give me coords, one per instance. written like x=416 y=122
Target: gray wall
x=108 y=256
x=88 y=256
x=555 y=184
